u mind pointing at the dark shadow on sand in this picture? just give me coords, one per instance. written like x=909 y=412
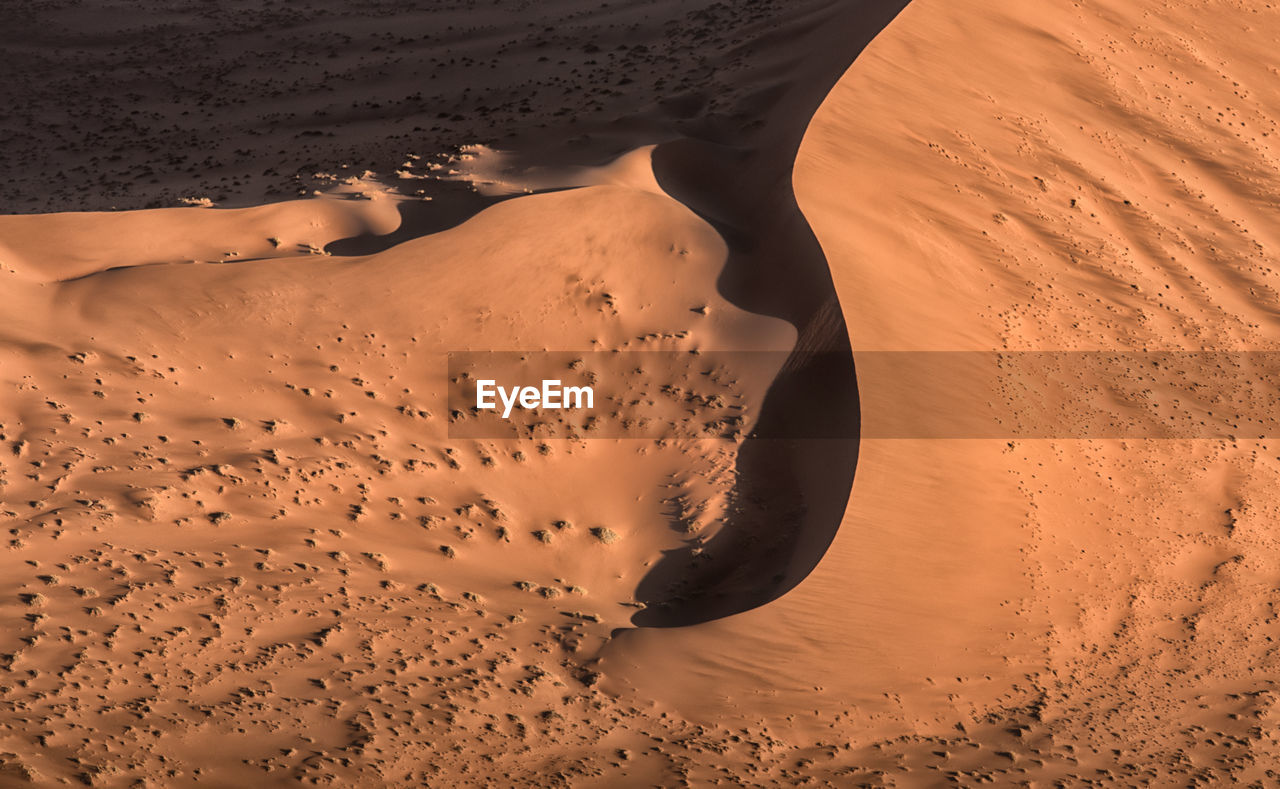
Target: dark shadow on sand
x=452 y=204
x=795 y=471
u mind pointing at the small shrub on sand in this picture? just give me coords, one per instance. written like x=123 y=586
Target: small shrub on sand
x=605 y=535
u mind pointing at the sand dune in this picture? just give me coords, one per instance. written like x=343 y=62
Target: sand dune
x=239 y=460
x=1031 y=610
x=246 y=546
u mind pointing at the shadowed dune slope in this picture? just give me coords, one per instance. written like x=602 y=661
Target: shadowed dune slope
x=796 y=470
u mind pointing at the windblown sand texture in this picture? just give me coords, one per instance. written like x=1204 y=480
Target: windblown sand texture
x=241 y=548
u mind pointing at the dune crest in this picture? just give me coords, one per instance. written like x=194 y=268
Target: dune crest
x=1009 y=610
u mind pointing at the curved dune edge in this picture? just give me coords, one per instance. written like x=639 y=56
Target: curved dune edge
x=1092 y=181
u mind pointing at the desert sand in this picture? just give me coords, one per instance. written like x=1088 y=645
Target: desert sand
x=245 y=546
